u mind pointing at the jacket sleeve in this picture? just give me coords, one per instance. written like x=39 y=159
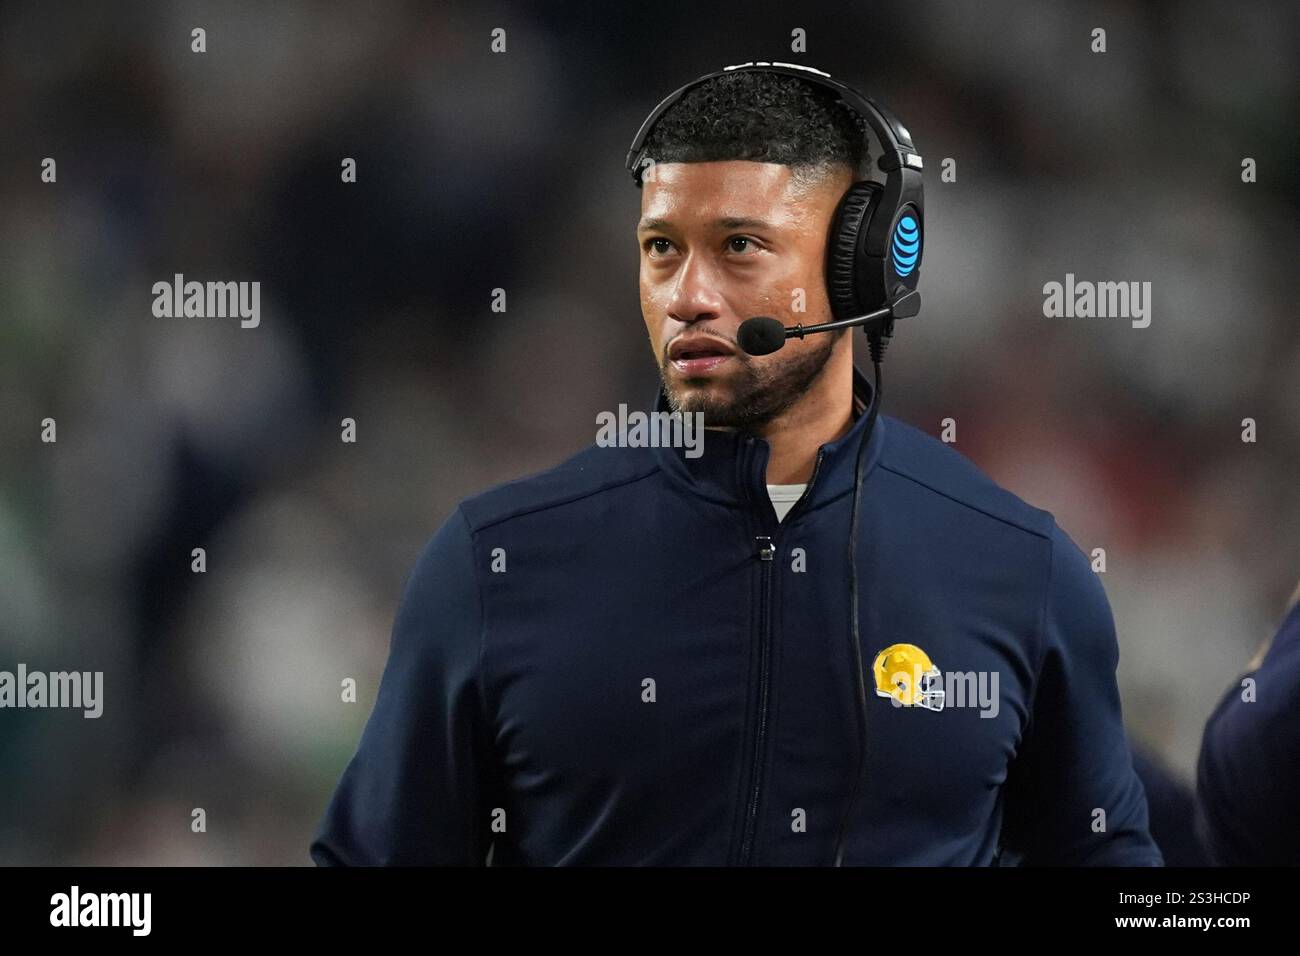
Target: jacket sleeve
x=1248 y=775
x=1073 y=797
x=416 y=791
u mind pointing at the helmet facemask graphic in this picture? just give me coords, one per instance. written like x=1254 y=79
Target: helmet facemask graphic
x=930 y=693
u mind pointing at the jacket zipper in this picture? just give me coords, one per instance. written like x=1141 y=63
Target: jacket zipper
x=768 y=545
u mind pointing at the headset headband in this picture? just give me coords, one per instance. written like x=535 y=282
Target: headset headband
x=894 y=139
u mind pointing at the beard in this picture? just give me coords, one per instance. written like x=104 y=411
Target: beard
x=755 y=394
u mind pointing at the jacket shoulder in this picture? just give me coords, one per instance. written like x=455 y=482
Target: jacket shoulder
x=937 y=466
x=591 y=471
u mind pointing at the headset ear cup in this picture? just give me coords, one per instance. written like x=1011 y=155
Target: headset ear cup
x=848 y=225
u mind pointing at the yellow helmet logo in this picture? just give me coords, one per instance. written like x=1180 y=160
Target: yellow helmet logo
x=906 y=673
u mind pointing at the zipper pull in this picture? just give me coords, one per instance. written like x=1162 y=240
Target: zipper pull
x=766 y=549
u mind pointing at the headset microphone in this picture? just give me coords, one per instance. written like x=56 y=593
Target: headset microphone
x=763 y=335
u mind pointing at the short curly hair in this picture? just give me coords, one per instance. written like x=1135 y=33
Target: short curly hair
x=763 y=117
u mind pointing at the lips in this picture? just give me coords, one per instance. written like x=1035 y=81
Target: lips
x=698 y=354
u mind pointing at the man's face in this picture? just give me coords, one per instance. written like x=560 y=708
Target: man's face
x=721 y=242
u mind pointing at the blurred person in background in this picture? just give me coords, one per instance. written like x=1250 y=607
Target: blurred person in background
x=1248 y=778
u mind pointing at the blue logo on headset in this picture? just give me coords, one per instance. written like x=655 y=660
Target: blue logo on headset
x=905 y=249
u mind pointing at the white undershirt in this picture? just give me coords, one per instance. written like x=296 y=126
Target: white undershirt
x=783 y=498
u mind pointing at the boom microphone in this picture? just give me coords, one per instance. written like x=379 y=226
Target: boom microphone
x=763 y=334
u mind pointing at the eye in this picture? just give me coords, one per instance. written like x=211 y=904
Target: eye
x=658 y=245
x=742 y=244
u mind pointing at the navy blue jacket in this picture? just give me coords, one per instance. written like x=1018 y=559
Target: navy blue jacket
x=597 y=665
x=1248 y=775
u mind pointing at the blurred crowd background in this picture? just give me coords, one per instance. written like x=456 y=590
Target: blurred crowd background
x=479 y=171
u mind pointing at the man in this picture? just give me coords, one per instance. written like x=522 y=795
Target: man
x=644 y=656
x=1248 y=775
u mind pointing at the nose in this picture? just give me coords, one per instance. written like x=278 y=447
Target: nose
x=695 y=296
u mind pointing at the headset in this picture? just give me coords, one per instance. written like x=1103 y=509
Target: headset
x=873 y=256
x=873 y=265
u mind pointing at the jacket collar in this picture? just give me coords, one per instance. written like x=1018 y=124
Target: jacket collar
x=732 y=466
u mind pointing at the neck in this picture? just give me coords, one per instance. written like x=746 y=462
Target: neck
x=823 y=414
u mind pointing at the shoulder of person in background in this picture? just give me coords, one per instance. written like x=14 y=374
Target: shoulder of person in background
x=1258 y=659
x=1248 y=773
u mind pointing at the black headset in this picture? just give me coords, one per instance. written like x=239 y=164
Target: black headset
x=873 y=261
x=873 y=257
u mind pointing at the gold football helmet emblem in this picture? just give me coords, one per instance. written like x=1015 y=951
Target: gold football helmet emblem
x=906 y=673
